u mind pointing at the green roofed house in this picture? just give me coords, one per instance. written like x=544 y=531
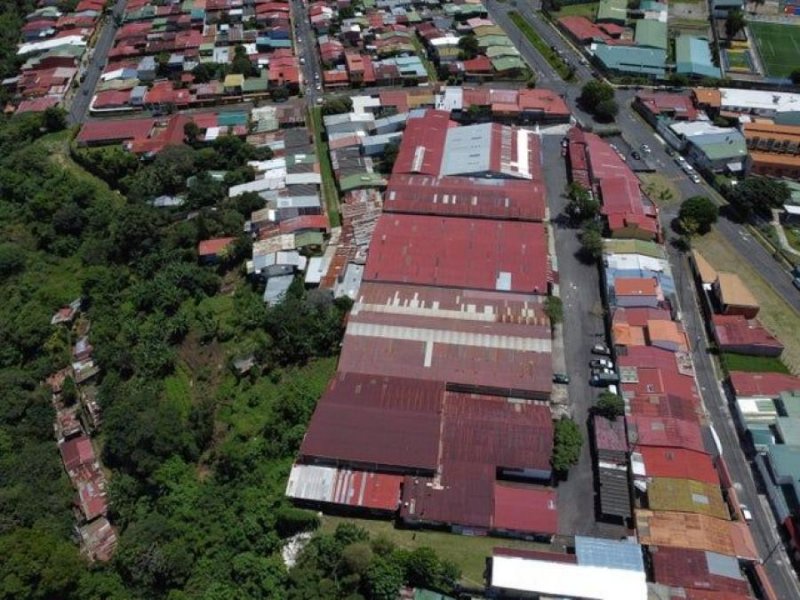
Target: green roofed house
x=507 y=64
x=789 y=117
x=499 y=51
x=651 y=33
x=358 y=181
x=256 y=85
x=693 y=57
x=494 y=40
x=635 y=60
x=612 y=11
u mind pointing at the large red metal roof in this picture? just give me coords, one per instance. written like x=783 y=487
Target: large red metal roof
x=678 y=463
x=687 y=568
x=372 y=420
x=481 y=340
x=525 y=508
x=763 y=384
x=465 y=197
x=452 y=252
x=666 y=432
x=76 y=452
x=423 y=144
x=115 y=130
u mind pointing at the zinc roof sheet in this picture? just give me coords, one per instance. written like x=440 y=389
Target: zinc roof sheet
x=465 y=196
x=697 y=569
x=612 y=554
x=378 y=421
x=451 y=252
x=686 y=495
x=677 y=463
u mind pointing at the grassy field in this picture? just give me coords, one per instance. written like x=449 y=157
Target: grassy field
x=469 y=553
x=778 y=46
x=753 y=364
x=793 y=236
x=660 y=189
x=328 y=182
x=776 y=315
x=541 y=46
x=578 y=10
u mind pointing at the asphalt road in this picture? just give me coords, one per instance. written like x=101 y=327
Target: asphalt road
x=583 y=327
x=636 y=132
x=306 y=49
x=79 y=107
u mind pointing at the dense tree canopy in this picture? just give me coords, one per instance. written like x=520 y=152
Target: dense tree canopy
x=697 y=214
x=756 y=194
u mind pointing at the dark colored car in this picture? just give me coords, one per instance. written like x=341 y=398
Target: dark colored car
x=560 y=378
x=635 y=155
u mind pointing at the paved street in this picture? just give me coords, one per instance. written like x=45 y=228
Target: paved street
x=583 y=327
x=306 y=49
x=93 y=67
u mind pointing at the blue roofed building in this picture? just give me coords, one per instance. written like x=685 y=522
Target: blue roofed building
x=632 y=60
x=610 y=554
x=693 y=57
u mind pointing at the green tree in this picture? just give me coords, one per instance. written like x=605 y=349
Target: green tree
x=795 y=76
x=567 y=443
x=241 y=63
x=383 y=579
x=734 y=23
x=610 y=405
x=280 y=93
x=581 y=206
x=593 y=93
x=54 y=119
x=606 y=110
x=390 y=156
x=38 y=565
x=591 y=241
x=336 y=105
x=757 y=194
x=12 y=260
x=554 y=309
x=357 y=558
x=468 y=47
x=698 y=214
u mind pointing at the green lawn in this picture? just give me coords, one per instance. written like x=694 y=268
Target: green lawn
x=425 y=61
x=329 y=189
x=753 y=364
x=541 y=46
x=588 y=10
x=467 y=552
x=778 y=46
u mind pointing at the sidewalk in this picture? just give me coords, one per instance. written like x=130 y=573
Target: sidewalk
x=776 y=223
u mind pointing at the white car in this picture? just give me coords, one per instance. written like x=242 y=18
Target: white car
x=645 y=148
x=748 y=516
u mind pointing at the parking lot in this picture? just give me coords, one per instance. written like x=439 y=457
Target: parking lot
x=583 y=328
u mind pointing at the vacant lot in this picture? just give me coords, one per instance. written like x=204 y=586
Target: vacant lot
x=753 y=364
x=778 y=46
x=469 y=553
x=578 y=10
x=777 y=316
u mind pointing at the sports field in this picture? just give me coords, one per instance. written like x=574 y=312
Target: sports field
x=778 y=46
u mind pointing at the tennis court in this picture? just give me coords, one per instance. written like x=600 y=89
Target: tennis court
x=778 y=46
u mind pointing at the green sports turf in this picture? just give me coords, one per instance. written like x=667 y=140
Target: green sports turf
x=778 y=46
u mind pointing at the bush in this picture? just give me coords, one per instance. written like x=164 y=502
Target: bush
x=290 y=520
x=567 y=443
x=554 y=309
x=610 y=406
x=697 y=214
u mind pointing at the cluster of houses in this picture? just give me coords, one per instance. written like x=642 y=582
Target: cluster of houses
x=636 y=41
x=439 y=413
x=51 y=51
x=174 y=56
x=77 y=413
x=729 y=131
x=358 y=140
x=395 y=43
x=657 y=467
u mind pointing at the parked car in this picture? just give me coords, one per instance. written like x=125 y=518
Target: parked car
x=560 y=378
x=796 y=282
x=748 y=516
x=600 y=349
x=601 y=363
x=635 y=155
x=670 y=151
x=696 y=178
x=645 y=148
x=680 y=161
